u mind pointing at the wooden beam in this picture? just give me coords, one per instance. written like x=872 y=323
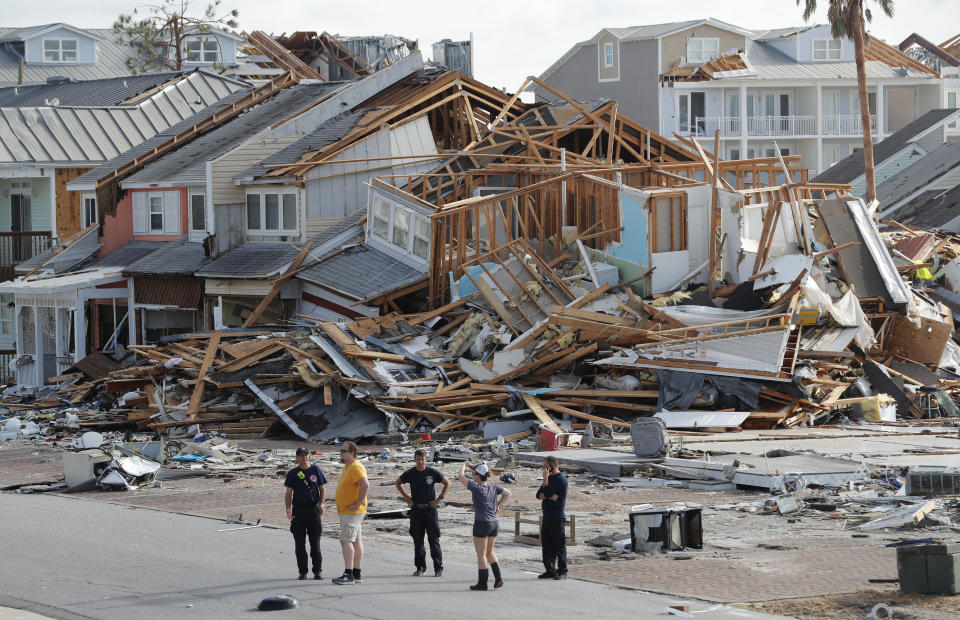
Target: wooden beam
x=198 y=387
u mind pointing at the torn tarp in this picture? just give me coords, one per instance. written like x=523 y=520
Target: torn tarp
x=678 y=389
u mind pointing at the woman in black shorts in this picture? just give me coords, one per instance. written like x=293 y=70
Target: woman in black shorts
x=485 y=526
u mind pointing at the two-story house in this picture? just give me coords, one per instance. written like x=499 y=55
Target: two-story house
x=795 y=86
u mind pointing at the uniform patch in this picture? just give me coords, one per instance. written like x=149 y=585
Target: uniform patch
x=428 y=480
x=300 y=475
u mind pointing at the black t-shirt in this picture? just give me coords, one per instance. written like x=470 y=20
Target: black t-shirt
x=421 y=483
x=306 y=484
x=556 y=485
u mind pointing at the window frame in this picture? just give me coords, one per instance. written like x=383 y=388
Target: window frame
x=60 y=51
x=151 y=229
x=416 y=222
x=702 y=57
x=675 y=200
x=608 y=54
x=203 y=210
x=262 y=213
x=425 y=239
x=84 y=214
x=827 y=50
x=202 y=39
x=953 y=126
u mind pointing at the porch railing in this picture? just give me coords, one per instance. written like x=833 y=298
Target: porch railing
x=16 y=247
x=846 y=125
x=730 y=126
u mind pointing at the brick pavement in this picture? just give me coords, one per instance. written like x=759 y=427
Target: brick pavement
x=24 y=465
x=757 y=576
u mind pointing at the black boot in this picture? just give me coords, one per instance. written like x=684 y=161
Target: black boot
x=497 y=579
x=483 y=574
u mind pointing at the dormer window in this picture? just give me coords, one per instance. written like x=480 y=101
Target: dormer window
x=202 y=50
x=60 y=50
x=702 y=49
x=608 y=54
x=826 y=49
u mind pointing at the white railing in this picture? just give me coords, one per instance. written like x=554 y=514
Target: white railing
x=782 y=126
x=846 y=125
x=730 y=126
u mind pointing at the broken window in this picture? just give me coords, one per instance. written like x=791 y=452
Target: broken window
x=668 y=222
x=826 y=49
x=381 y=218
x=702 y=50
x=421 y=238
x=401 y=228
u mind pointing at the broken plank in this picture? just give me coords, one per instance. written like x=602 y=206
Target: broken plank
x=540 y=412
x=198 y=388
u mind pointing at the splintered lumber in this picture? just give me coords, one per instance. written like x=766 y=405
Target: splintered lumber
x=528 y=367
x=238 y=364
x=486 y=387
x=567 y=359
x=582 y=415
x=198 y=387
x=542 y=415
x=277 y=286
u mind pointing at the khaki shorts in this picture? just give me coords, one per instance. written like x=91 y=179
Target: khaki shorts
x=350 y=527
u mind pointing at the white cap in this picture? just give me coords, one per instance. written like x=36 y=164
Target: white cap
x=481 y=469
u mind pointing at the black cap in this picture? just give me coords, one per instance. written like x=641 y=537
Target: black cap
x=302 y=450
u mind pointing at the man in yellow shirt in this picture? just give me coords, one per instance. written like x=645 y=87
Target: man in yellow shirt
x=352 y=507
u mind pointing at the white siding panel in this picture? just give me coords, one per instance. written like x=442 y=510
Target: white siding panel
x=171 y=213
x=139 y=213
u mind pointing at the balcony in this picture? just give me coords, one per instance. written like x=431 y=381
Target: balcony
x=16 y=247
x=729 y=126
x=846 y=125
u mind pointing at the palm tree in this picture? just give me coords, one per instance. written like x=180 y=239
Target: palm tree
x=848 y=18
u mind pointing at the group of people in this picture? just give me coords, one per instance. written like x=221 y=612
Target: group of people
x=306 y=495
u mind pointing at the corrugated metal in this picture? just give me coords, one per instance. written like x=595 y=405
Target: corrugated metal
x=54 y=134
x=181 y=292
x=362 y=272
x=113 y=91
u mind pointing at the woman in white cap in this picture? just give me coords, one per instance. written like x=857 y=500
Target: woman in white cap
x=485 y=525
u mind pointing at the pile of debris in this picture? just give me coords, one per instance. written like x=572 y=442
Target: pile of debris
x=547 y=336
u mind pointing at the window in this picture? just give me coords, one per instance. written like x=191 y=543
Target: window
x=608 y=54
x=7 y=314
x=198 y=212
x=89 y=210
x=734 y=153
x=381 y=218
x=401 y=228
x=59 y=50
x=691 y=108
x=253 y=211
x=156 y=214
x=668 y=221
x=202 y=49
x=421 y=237
x=272 y=213
x=826 y=49
x=702 y=50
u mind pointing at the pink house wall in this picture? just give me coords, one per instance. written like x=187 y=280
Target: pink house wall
x=118 y=228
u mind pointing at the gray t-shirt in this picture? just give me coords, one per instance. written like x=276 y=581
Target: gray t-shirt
x=484 y=501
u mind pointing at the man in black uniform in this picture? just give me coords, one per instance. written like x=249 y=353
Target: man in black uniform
x=423 y=511
x=553 y=540
x=304 y=501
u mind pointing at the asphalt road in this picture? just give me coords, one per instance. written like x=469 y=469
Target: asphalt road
x=71 y=558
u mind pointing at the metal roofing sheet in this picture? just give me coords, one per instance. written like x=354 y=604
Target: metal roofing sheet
x=112 y=91
x=362 y=272
x=111 y=60
x=85 y=135
x=180 y=292
x=918 y=174
x=128 y=254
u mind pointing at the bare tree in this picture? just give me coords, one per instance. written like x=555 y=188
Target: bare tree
x=848 y=18
x=160 y=36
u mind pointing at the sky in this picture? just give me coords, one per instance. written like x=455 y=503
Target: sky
x=512 y=38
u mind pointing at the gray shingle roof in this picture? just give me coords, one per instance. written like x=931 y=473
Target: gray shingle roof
x=105 y=92
x=180 y=257
x=362 y=272
x=186 y=165
x=847 y=170
x=328 y=133
x=128 y=254
x=250 y=260
x=918 y=174
x=91 y=135
x=932 y=209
